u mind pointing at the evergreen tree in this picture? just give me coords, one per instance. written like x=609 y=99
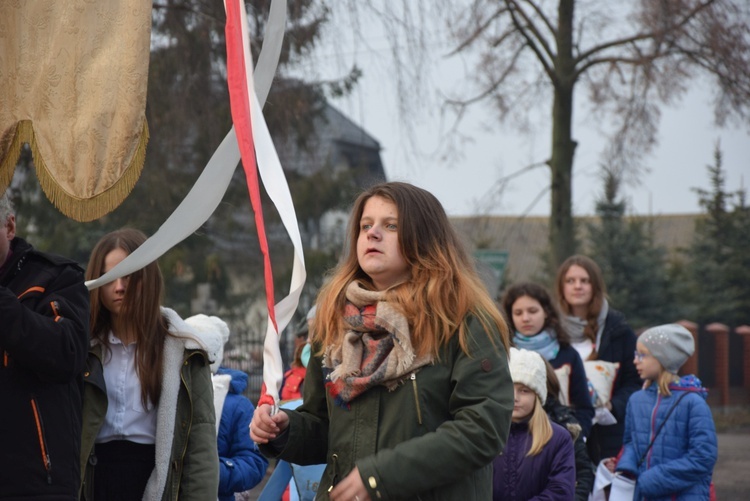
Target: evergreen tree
x=718 y=274
x=634 y=268
x=738 y=266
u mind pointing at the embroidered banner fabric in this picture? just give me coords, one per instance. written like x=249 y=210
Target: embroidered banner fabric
x=73 y=79
x=208 y=190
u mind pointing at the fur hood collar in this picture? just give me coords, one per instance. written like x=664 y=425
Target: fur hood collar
x=193 y=339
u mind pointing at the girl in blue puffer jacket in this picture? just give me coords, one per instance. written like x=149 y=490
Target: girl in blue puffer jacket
x=241 y=465
x=670 y=440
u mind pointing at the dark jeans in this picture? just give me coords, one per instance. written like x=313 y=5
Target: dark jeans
x=122 y=470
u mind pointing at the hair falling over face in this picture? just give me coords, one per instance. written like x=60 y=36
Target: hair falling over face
x=141 y=309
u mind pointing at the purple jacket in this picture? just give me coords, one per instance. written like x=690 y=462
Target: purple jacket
x=548 y=476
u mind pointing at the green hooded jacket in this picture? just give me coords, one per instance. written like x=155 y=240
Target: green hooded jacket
x=432 y=438
x=187 y=462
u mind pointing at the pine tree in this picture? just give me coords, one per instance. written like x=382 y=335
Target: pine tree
x=718 y=275
x=634 y=269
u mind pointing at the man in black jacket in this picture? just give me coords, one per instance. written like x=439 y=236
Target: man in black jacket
x=44 y=325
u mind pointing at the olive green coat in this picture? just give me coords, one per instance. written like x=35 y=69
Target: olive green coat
x=433 y=437
x=187 y=462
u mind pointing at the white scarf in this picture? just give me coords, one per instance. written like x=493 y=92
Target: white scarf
x=574 y=326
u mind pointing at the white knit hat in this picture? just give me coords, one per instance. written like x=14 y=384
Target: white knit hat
x=527 y=367
x=204 y=323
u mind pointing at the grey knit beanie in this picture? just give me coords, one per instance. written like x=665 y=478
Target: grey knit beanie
x=670 y=344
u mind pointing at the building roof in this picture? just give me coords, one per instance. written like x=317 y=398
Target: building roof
x=339 y=143
x=526 y=238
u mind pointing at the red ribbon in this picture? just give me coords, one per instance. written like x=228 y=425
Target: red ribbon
x=239 y=100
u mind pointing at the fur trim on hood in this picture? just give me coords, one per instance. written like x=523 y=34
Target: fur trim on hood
x=194 y=339
x=182 y=337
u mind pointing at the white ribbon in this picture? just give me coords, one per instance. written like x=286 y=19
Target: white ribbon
x=276 y=186
x=207 y=192
x=211 y=185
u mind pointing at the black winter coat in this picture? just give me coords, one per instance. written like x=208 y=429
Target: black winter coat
x=563 y=415
x=617 y=345
x=44 y=325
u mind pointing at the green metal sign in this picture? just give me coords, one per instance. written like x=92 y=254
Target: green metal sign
x=497 y=260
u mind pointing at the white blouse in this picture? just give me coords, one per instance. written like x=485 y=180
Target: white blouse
x=126 y=417
x=584 y=348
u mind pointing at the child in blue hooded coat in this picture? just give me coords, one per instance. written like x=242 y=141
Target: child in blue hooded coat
x=670 y=439
x=241 y=465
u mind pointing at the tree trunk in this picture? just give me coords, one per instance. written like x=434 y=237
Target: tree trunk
x=561 y=231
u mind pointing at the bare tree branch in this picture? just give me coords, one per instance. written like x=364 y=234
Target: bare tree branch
x=493 y=86
x=641 y=36
x=478 y=31
x=544 y=17
x=631 y=57
x=530 y=41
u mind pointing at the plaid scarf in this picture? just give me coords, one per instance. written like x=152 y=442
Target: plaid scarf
x=375 y=350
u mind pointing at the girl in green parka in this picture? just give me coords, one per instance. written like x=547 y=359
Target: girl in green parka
x=149 y=430
x=408 y=395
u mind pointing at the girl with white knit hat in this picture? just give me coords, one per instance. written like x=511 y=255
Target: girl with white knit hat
x=539 y=458
x=670 y=439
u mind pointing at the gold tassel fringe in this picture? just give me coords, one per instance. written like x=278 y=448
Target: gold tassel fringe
x=79 y=209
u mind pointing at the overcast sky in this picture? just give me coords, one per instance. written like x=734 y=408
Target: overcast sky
x=462 y=183
x=687 y=139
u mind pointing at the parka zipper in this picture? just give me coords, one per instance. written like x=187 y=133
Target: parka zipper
x=42 y=440
x=652 y=430
x=416 y=396
x=190 y=422
x=335 y=463
x=55 y=309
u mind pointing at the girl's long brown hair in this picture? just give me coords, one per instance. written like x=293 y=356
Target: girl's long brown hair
x=444 y=287
x=140 y=309
x=598 y=293
x=539 y=294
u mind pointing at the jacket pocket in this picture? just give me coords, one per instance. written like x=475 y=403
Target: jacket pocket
x=42 y=438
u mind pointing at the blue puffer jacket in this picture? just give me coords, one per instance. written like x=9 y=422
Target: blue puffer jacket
x=241 y=465
x=681 y=461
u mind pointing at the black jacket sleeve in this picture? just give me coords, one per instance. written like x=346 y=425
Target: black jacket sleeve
x=622 y=346
x=45 y=326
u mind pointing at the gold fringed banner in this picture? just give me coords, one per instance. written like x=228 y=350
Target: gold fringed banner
x=73 y=84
